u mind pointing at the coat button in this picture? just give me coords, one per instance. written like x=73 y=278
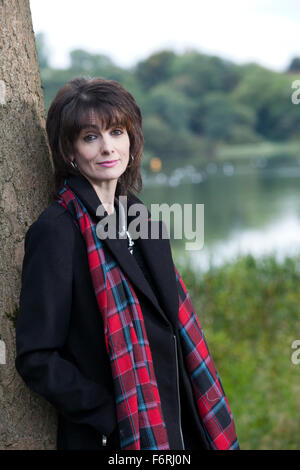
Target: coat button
x=104 y=440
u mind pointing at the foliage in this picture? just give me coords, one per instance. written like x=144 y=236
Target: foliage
x=196 y=74
x=155 y=69
x=269 y=95
x=294 y=65
x=223 y=120
x=249 y=311
x=42 y=50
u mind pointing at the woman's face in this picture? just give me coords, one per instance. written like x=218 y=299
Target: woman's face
x=102 y=155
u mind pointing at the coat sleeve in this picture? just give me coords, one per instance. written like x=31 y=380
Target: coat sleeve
x=42 y=329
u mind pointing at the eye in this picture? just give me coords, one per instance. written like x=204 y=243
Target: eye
x=119 y=131
x=89 y=138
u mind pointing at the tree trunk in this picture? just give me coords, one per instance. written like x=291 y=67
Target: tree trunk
x=27 y=421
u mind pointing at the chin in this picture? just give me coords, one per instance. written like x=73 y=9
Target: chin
x=105 y=177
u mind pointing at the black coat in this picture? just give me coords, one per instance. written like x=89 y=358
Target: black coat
x=60 y=345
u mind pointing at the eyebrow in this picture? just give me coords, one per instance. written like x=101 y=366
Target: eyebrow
x=89 y=126
x=94 y=126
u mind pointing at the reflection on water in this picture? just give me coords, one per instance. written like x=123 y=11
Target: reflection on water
x=281 y=238
x=247 y=209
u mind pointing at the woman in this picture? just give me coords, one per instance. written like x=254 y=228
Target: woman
x=106 y=330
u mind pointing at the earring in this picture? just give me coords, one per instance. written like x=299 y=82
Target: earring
x=132 y=159
x=74 y=165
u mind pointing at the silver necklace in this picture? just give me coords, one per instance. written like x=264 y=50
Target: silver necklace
x=124 y=230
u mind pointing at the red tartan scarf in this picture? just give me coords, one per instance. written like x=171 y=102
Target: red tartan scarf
x=138 y=406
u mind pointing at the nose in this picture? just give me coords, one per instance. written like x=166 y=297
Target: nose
x=106 y=144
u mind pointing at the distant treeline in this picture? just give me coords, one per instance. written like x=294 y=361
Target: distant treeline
x=192 y=103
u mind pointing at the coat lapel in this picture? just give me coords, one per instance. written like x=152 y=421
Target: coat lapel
x=157 y=253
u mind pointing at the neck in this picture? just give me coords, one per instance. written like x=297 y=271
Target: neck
x=106 y=191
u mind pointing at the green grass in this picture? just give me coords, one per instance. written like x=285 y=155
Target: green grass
x=249 y=311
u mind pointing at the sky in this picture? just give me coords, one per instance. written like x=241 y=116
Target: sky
x=262 y=31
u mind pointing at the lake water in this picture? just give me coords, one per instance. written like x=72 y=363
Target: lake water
x=250 y=208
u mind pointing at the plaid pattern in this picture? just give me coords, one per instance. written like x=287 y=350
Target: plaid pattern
x=138 y=406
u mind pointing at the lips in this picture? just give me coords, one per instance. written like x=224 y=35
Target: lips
x=108 y=163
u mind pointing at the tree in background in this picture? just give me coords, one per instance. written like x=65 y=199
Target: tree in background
x=155 y=69
x=27 y=421
x=43 y=51
x=268 y=94
x=294 y=65
x=197 y=74
x=82 y=60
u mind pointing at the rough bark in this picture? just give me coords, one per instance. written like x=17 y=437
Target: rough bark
x=27 y=421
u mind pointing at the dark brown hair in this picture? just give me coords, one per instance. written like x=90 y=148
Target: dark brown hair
x=72 y=109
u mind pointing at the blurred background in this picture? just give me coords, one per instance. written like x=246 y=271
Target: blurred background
x=214 y=81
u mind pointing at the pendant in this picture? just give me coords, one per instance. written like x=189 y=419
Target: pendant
x=130 y=243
